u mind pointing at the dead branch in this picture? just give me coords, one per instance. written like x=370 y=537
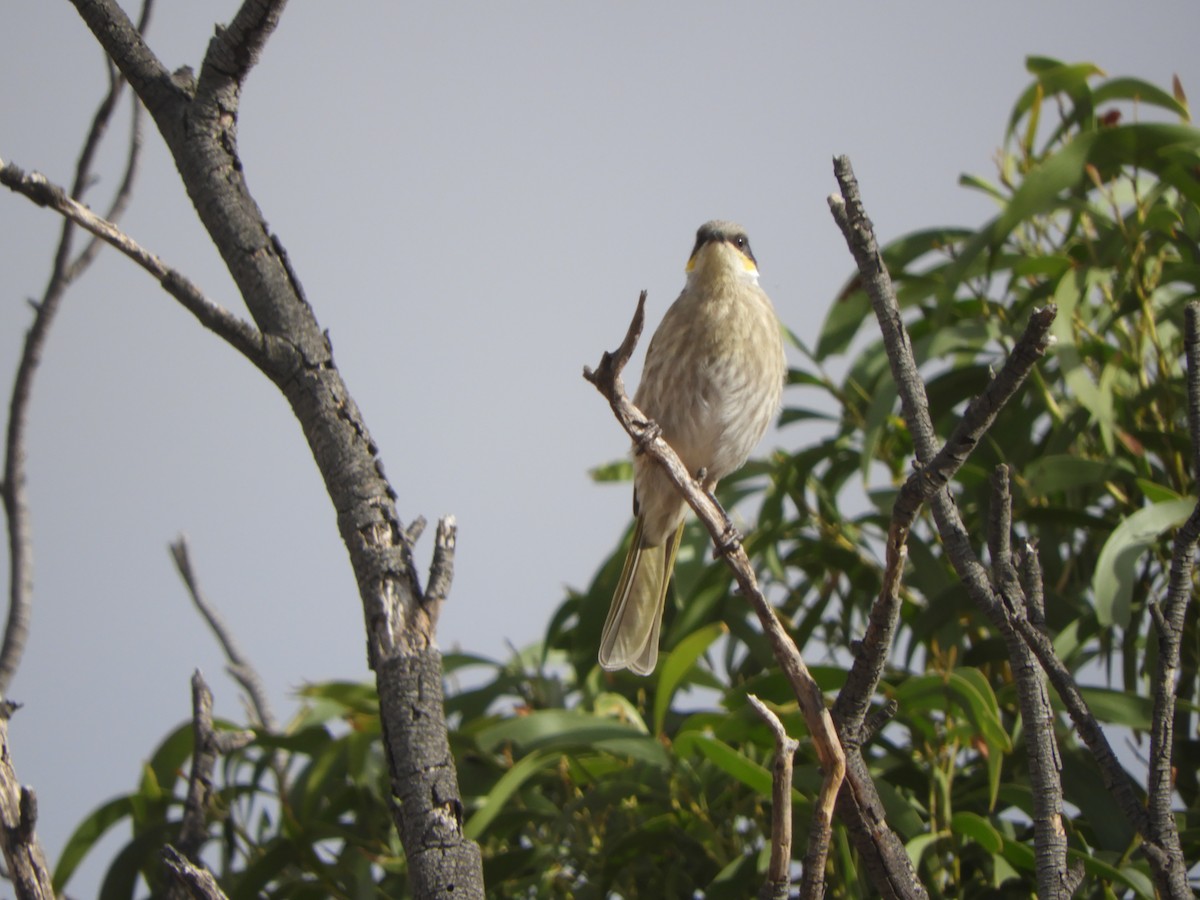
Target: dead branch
x=18 y=816
x=208 y=745
x=240 y=667
x=237 y=332
x=188 y=879
x=198 y=120
x=64 y=271
x=778 y=883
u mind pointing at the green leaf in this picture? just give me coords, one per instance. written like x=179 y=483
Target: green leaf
x=842 y=322
x=1047 y=475
x=917 y=846
x=86 y=835
x=969 y=690
x=1119 y=707
x=553 y=728
x=1127 y=876
x=453 y=662
x=510 y=782
x=976 y=828
x=139 y=855
x=618 y=470
x=339 y=698
x=979 y=184
x=1116 y=569
x=611 y=705
x=1053 y=77
x=678 y=664
x=1078 y=376
x=1138 y=91
x=728 y=759
x=172 y=753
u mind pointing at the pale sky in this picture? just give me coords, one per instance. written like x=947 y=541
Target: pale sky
x=472 y=195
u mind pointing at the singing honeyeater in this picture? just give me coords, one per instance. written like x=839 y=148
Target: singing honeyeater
x=712 y=381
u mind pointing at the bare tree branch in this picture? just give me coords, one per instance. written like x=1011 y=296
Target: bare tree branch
x=1168 y=621
x=236 y=49
x=240 y=667
x=125 y=46
x=779 y=869
x=1009 y=608
x=188 y=879
x=935 y=468
x=208 y=745
x=1045 y=766
x=18 y=816
x=239 y=333
x=647 y=436
x=441 y=568
x=198 y=122
x=64 y=271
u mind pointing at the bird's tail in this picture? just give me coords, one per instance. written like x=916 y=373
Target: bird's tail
x=630 y=638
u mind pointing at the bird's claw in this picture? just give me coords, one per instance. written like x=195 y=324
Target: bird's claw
x=730 y=538
x=651 y=432
x=729 y=541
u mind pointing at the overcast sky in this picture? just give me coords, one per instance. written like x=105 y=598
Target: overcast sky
x=472 y=195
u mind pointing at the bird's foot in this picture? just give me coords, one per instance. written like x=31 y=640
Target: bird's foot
x=651 y=432
x=729 y=541
x=730 y=538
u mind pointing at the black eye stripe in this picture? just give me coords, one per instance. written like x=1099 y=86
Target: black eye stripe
x=710 y=232
x=743 y=243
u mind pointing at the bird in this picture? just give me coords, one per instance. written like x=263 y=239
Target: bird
x=712 y=382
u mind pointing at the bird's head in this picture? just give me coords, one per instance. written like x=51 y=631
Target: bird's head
x=722 y=250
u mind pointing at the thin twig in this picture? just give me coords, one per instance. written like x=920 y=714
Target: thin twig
x=240 y=666
x=208 y=745
x=441 y=568
x=1169 y=625
x=935 y=465
x=243 y=336
x=779 y=869
x=64 y=271
x=1045 y=766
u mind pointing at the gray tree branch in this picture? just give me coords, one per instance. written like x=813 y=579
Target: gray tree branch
x=779 y=869
x=237 y=48
x=188 y=879
x=239 y=665
x=1013 y=600
x=27 y=867
x=1168 y=618
x=934 y=469
x=198 y=123
x=208 y=745
x=237 y=332
x=65 y=270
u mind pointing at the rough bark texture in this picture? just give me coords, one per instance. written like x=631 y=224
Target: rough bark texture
x=23 y=855
x=425 y=784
